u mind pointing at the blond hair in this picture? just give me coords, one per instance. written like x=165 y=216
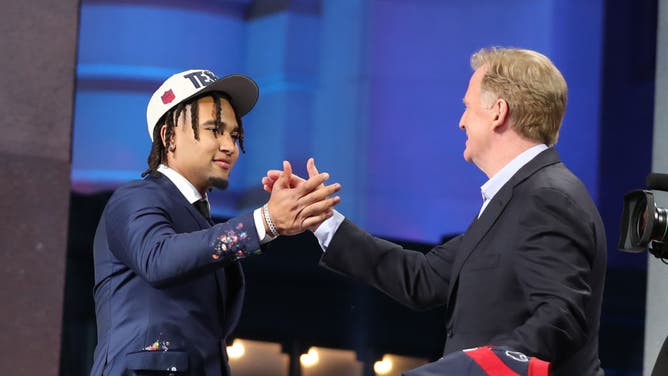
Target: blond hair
x=533 y=87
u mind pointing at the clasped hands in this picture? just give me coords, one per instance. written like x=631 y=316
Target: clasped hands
x=297 y=204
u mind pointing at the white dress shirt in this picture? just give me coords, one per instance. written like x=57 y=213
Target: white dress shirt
x=494 y=184
x=192 y=195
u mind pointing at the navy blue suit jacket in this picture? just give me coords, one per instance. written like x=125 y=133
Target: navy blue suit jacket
x=528 y=274
x=168 y=286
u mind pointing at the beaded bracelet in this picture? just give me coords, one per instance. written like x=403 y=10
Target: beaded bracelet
x=272 y=229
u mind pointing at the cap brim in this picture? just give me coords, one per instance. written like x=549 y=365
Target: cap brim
x=243 y=91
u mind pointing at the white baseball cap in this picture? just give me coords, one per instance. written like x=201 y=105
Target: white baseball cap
x=185 y=85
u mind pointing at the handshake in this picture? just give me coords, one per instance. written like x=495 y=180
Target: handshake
x=297 y=204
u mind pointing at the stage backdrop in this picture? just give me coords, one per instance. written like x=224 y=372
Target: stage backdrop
x=372 y=89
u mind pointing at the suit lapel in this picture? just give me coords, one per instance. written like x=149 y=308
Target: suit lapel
x=179 y=198
x=479 y=228
x=477 y=231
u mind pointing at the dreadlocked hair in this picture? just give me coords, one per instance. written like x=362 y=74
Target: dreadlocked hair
x=158 y=153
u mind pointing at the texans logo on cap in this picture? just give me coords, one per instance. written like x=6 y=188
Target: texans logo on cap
x=168 y=97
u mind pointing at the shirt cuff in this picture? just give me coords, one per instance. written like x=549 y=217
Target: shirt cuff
x=325 y=232
x=259 y=227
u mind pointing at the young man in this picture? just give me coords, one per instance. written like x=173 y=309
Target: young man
x=528 y=273
x=168 y=284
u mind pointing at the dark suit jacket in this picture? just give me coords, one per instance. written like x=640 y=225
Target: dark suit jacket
x=528 y=274
x=168 y=286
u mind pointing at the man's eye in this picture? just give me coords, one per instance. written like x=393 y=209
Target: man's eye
x=235 y=135
x=215 y=131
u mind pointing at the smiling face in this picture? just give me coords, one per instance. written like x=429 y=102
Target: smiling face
x=206 y=162
x=477 y=121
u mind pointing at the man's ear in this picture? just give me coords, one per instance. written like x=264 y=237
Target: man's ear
x=501 y=114
x=163 y=134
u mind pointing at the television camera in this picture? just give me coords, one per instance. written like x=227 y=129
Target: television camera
x=644 y=222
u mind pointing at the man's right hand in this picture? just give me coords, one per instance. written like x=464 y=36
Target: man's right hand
x=297 y=204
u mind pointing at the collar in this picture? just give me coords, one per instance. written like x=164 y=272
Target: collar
x=184 y=186
x=493 y=185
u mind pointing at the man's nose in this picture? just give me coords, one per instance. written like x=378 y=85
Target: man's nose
x=226 y=143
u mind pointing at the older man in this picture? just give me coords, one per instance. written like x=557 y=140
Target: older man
x=528 y=273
